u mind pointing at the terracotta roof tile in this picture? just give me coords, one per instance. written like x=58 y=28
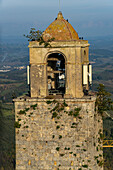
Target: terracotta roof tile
x=60 y=29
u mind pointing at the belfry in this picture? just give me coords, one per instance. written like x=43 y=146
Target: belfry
x=62 y=69
x=57 y=126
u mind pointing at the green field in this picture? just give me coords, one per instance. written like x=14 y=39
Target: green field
x=7 y=137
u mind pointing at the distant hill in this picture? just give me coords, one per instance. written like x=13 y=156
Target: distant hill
x=13 y=54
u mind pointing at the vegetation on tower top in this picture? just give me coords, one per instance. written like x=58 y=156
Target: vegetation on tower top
x=38 y=36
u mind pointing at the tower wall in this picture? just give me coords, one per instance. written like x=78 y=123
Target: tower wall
x=53 y=134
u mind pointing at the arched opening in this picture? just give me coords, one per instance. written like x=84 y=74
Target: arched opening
x=56 y=74
x=84 y=52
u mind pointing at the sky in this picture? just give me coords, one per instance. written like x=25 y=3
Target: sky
x=88 y=17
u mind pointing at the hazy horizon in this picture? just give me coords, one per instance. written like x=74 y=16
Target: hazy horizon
x=87 y=17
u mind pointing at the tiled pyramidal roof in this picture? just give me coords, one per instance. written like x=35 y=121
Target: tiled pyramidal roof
x=61 y=30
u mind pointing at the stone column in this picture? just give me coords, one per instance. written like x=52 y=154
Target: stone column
x=38 y=78
x=78 y=73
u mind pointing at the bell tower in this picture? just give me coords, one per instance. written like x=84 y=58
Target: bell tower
x=57 y=126
x=63 y=67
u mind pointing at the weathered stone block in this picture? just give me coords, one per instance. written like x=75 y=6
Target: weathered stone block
x=45 y=143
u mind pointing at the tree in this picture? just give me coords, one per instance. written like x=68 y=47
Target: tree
x=38 y=36
x=105 y=104
x=103 y=101
x=34 y=35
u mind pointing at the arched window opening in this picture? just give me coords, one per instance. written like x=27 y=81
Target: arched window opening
x=56 y=74
x=84 y=52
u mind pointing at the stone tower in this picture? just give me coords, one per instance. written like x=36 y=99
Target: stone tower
x=57 y=126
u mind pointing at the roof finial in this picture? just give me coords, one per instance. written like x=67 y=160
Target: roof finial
x=60 y=16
